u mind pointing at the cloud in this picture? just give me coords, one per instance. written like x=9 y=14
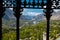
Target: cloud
x=56 y=10
x=11 y=8
x=32 y=13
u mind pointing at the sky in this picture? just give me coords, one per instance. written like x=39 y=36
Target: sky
x=31 y=12
x=34 y=12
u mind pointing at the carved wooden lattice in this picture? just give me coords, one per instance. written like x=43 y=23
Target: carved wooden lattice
x=40 y=4
x=55 y=4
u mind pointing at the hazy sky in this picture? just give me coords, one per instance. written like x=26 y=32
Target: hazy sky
x=34 y=12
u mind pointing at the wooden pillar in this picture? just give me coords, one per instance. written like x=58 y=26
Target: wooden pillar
x=48 y=16
x=17 y=14
x=1 y=15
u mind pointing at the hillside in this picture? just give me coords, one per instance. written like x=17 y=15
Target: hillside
x=56 y=16
x=33 y=32
x=25 y=20
x=9 y=19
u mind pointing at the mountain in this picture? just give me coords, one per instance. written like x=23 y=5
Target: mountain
x=39 y=17
x=9 y=19
x=9 y=15
x=26 y=17
x=55 y=16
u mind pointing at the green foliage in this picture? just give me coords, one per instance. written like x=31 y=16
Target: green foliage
x=33 y=32
x=9 y=36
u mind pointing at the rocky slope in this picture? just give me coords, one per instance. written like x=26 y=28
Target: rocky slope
x=56 y=16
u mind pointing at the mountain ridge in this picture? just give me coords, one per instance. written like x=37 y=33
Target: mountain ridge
x=9 y=14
